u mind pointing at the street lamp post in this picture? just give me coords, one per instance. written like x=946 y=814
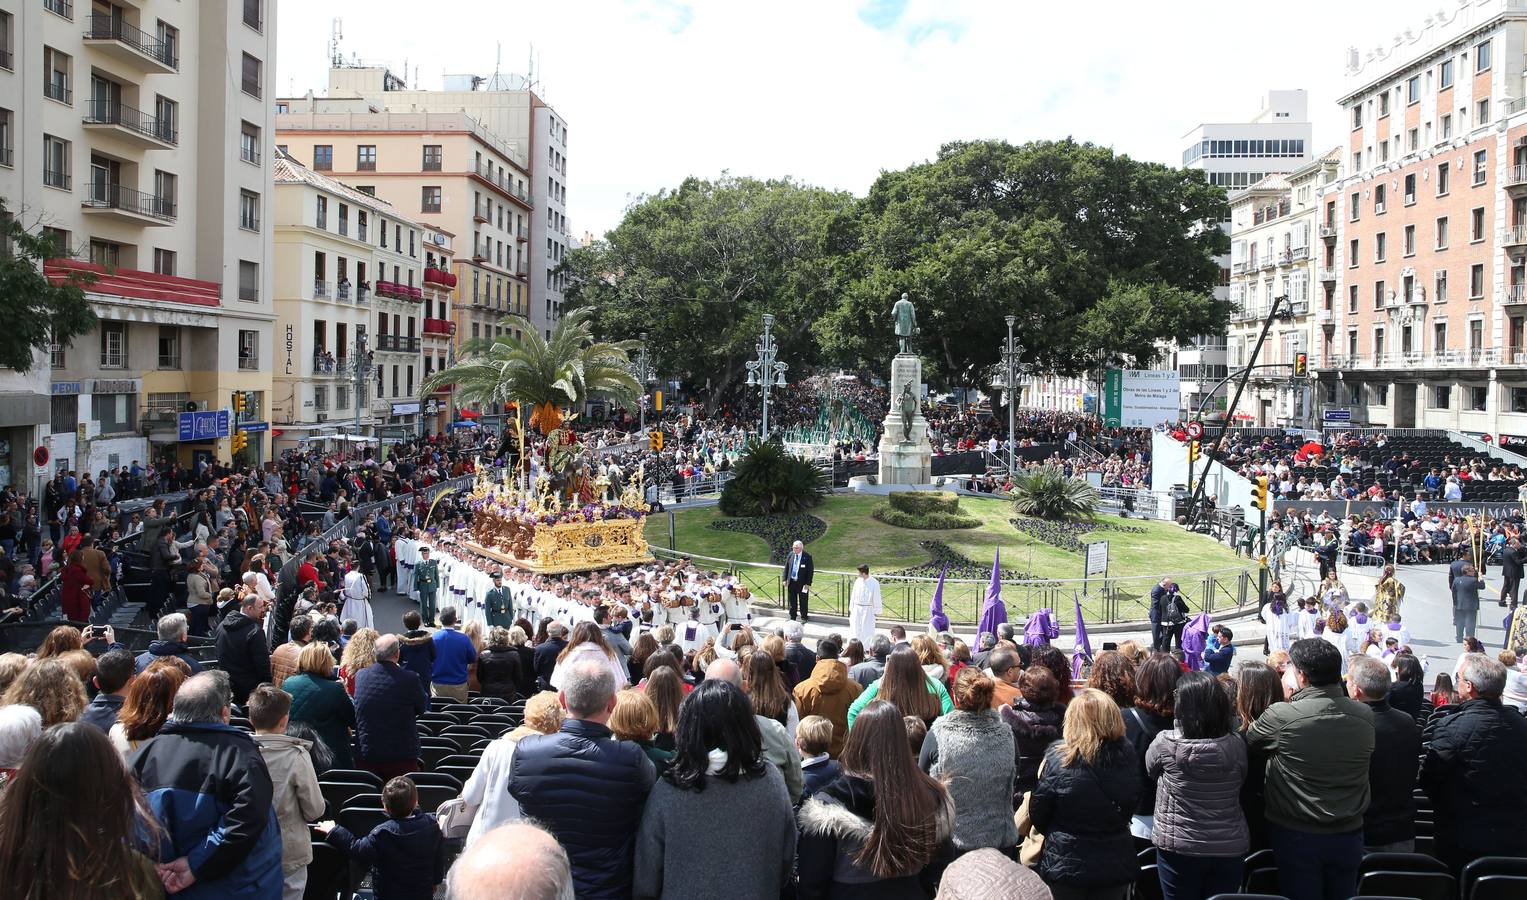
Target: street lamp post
x=644 y=375
x=1012 y=352
x=360 y=370
x=764 y=372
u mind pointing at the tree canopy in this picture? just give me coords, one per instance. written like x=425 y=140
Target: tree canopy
x=36 y=312
x=1099 y=256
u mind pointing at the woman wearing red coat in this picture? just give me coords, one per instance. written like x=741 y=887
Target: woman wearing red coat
x=75 y=590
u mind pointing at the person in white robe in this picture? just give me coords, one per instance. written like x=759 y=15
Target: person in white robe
x=864 y=605
x=357 y=597
x=405 y=549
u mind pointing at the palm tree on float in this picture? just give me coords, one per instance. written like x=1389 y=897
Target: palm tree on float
x=544 y=375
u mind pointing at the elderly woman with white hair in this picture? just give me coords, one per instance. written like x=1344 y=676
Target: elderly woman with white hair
x=19 y=726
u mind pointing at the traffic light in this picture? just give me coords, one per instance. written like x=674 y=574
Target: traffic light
x=657 y=400
x=655 y=441
x=1301 y=365
x=238 y=404
x=237 y=442
x=1193 y=451
x=1259 y=493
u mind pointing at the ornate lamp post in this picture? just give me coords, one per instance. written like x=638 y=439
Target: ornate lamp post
x=764 y=372
x=1012 y=352
x=359 y=366
x=644 y=374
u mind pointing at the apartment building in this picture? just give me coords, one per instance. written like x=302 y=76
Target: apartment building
x=440 y=325
x=1275 y=253
x=351 y=298
x=1423 y=231
x=1236 y=156
x=448 y=173
x=133 y=132
x=508 y=107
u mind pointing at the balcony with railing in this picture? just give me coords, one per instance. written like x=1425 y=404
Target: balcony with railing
x=396 y=343
x=1285 y=257
x=362 y=294
x=1298 y=254
x=58 y=90
x=133 y=125
x=7 y=159
x=439 y=327
x=506 y=185
x=249 y=363
x=126 y=204
x=59 y=7
x=323 y=364
x=439 y=278
x=169 y=361
x=1326 y=273
x=1514 y=236
x=1516 y=178
x=1238 y=268
x=342 y=291
x=127 y=43
x=1512 y=294
x=321 y=289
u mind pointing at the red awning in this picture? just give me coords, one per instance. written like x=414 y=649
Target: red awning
x=468 y=413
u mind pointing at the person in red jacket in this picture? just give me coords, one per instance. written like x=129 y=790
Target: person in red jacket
x=308 y=571
x=75 y=590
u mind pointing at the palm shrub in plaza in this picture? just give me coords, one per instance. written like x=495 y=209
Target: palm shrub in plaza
x=767 y=480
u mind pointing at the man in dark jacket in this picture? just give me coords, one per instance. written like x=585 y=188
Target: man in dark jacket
x=1168 y=614
x=113 y=670
x=547 y=652
x=586 y=788
x=867 y=672
x=208 y=785
x=173 y=631
x=389 y=700
x=1475 y=770
x=406 y=853
x=1512 y=562
x=798 y=654
x=1390 y=822
x=1319 y=746
x=798 y=572
x=242 y=650
x=1466 y=588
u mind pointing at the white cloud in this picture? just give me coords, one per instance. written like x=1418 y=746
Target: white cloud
x=656 y=90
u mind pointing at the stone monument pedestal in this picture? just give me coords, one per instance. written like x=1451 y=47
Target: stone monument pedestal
x=905 y=459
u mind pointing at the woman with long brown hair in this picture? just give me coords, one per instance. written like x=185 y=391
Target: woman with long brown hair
x=765 y=686
x=51 y=687
x=587 y=642
x=60 y=641
x=881 y=828
x=1258 y=687
x=907 y=687
x=72 y=821
x=150 y=697
x=643 y=647
x=1089 y=785
x=932 y=658
x=666 y=691
x=1155 y=699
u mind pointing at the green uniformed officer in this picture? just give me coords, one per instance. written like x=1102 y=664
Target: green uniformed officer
x=427 y=582
x=497 y=603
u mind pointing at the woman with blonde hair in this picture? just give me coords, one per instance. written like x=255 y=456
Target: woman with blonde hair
x=11 y=665
x=320 y=702
x=60 y=641
x=1341 y=636
x=774 y=645
x=51 y=687
x=1088 y=787
x=498 y=667
x=932 y=658
x=150 y=697
x=487 y=790
x=519 y=642
x=359 y=653
x=81 y=662
x=742 y=643
x=635 y=719
x=474 y=632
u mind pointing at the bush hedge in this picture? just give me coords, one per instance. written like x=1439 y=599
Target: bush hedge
x=924 y=511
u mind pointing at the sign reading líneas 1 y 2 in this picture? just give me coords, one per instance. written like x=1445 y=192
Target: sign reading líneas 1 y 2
x=1135 y=398
x=1097 y=559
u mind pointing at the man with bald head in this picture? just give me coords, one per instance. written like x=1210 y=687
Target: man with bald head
x=514 y=860
x=778 y=748
x=388 y=702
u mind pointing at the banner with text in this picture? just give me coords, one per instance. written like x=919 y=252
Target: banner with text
x=1134 y=398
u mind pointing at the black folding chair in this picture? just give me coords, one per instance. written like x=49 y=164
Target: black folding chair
x=328 y=875
x=1399 y=862
x=359 y=776
x=1261 y=881
x=1498 y=887
x=436 y=779
x=337 y=795
x=1416 y=885
x=360 y=820
x=1491 y=866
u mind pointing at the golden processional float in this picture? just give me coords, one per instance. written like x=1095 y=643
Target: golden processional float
x=561 y=520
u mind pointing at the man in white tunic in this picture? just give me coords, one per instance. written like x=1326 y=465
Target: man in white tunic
x=406 y=551
x=864 y=605
x=356 y=596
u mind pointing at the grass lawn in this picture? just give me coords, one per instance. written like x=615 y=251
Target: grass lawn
x=854 y=537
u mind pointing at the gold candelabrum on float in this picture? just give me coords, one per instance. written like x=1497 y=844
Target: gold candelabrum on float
x=511 y=525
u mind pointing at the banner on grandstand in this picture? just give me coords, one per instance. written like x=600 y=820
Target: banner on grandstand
x=1384 y=510
x=1136 y=398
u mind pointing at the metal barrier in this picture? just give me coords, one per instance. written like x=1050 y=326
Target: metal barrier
x=1135 y=502
x=907 y=599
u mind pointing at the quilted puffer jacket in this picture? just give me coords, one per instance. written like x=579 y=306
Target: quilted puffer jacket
x=1198 y=794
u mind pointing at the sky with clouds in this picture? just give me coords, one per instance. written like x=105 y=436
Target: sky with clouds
x=832 y=92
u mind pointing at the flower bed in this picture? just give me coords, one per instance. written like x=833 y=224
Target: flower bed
x=1067 y=535
x=960 y=565
x=779 y=532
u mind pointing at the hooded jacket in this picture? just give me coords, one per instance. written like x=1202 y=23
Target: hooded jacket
x=417 y=654
x=828 y=692
x=1198 y=794
x=243 y=654
x=207 y=783
x=834 y=824
x=298 y=798
x=156 y=649
x=1034 y=730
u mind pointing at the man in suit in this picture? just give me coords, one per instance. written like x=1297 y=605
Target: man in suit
x=798 y=572
x=1512 y=559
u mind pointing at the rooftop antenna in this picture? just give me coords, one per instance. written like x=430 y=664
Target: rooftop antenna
x=336 y=34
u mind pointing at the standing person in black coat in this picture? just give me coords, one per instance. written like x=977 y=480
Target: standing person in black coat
x=547 y=652
x=242 y=650
x=1168 y=613
x=1511 y=565
x=798 y=573
x=1389 y=825
x=1089 y=785
x=1475 y=770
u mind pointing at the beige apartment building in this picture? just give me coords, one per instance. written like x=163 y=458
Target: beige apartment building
x=135 y=133
x=351 y=306
x=1423 y=231
x=1274 y=253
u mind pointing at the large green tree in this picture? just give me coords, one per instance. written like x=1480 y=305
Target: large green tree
x=1098 y=255
x=36 y=312
x=698 y=266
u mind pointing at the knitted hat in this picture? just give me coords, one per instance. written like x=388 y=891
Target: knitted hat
x=986 y=874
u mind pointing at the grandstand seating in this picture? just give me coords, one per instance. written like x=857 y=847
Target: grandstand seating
x=1429 y=449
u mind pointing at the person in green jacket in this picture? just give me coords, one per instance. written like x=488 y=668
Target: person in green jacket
x=497 y=604
x=907 y=687
x=427 y=582
x=321 y=702
x=1318 y=747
